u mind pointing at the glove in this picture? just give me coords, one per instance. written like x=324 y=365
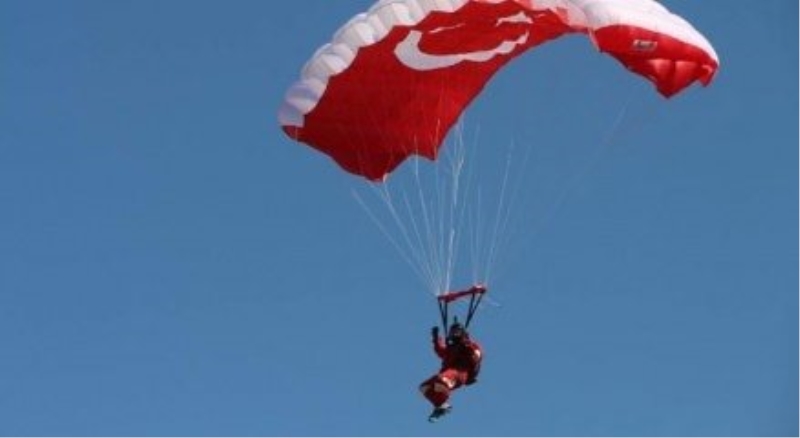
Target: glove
x=471 y=380
x=435 y=333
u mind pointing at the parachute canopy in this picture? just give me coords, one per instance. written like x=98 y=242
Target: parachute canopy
x=394 y=79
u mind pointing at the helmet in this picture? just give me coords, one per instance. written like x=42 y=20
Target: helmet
x=456 y=333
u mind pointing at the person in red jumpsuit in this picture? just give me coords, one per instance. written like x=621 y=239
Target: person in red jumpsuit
x=461 y=363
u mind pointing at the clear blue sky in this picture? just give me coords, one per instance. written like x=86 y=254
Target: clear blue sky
x=172 y=264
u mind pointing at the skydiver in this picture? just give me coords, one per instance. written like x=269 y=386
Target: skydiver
x=461 y=363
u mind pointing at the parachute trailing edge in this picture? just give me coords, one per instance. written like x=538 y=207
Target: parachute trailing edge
x=394 y=79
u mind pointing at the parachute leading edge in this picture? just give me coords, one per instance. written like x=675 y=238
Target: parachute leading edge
x=394 y=79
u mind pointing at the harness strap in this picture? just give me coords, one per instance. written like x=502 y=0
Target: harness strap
x=443 y=313
x=476 y=295
x=474 y=302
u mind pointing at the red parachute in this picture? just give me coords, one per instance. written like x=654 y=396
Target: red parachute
x=366 y=98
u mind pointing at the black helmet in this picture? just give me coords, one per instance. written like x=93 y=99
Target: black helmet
x=456 y=333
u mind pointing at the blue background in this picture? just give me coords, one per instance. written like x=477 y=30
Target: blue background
x=172 y=264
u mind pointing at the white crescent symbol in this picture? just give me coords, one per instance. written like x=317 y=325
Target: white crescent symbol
x=409 y=53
